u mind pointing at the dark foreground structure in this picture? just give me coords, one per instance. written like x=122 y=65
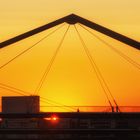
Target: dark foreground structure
x=74 y=19
x=53 y=126
x=22 y=119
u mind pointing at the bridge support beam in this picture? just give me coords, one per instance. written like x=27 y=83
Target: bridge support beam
x=73 y=19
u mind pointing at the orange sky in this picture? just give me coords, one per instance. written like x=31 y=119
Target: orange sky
x=71 y=80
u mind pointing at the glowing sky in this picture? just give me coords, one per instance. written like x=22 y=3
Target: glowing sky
x=71 y=80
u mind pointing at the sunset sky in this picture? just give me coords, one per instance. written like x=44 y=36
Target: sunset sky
x=71 y=80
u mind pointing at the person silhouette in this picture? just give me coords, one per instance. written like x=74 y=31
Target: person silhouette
x=78 y=110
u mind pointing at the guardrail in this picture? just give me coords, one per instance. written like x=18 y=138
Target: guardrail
x=89 y=108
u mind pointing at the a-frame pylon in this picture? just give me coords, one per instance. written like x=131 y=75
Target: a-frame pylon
x=73 y=19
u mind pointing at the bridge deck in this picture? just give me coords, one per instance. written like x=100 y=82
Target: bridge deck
x=74 y=115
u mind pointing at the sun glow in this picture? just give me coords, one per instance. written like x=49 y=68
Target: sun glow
x=71 y=79
x=53 y=118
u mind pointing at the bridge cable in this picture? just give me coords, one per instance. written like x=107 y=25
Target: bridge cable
x=102 y=76
x=12 y=90
x=23 y=93
x=23 y=52
x=58 y=103
x=48 y=101
x=48 y=68
x=96 y=69
x=124 y=56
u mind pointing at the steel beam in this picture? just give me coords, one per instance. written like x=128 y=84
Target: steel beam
x=75 y=115
x=110 y=33
x=73 y=19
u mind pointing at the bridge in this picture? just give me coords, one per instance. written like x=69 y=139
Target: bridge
x=111 y=112
x=73 y=20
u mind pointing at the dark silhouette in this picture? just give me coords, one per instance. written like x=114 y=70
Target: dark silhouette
x=73 y=19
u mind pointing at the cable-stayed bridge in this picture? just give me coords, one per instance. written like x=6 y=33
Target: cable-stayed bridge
x=114 y=111
x=83 y=23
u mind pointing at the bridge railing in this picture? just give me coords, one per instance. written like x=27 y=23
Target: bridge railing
x=88 y=108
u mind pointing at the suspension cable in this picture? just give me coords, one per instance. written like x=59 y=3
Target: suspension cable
x=23 y=93
x=58 y=103
x=23 y=52
x=12 y=90
x=95 y=68
x=48 y=68
x=124 y=56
